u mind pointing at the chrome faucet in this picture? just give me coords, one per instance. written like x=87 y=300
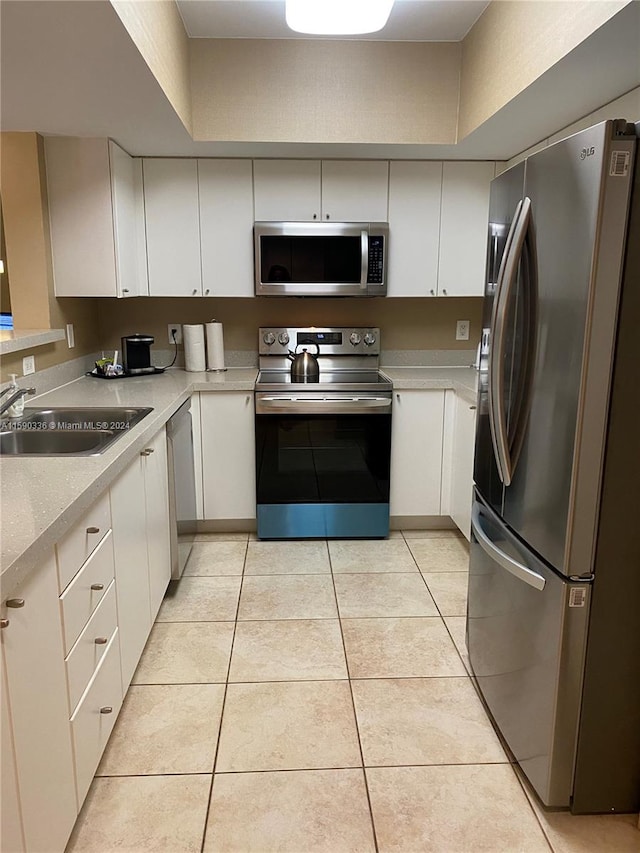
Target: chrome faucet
x=17 y=394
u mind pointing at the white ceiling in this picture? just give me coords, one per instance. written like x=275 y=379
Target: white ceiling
x=410 y=20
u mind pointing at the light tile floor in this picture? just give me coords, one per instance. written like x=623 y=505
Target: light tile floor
x=314 y=696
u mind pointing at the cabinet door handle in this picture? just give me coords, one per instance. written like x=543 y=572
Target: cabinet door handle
x=125 y=290
x=147 y=451
x=472 y=408
x=315 y=215
x=106 y=709
x=97 y=586
x=101 y=641
x=4 y=623
x=398 y=397
x=194 y=292
x=327 y=216
x=207 y=291
x=432 y=292
x=15 y=602
x=444 y=292
x=93 y=530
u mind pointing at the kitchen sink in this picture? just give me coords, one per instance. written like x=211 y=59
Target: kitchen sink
x=66 y=431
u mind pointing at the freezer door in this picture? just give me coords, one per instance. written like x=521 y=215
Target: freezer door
x=526 y=634
x=578 y=191
x=506 y=195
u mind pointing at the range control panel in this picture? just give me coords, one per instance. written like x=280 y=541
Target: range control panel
x=348 y=341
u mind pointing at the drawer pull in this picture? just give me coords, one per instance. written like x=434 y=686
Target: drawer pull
x=15 y=602
x=97 y=586
x=4 y=623
x=107 y=709
x=93 y=530
x=100 y=641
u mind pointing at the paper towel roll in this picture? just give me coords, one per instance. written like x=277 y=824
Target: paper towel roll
x=193 y=339
x=215 y=346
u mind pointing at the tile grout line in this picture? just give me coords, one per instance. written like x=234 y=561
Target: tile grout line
x=353 y=706
x=224 y=702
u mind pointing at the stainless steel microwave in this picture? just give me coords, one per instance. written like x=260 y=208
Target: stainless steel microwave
x=321 y=258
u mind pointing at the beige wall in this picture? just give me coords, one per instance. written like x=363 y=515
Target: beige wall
x=409 y=324
x=513 y=43
x=336 y=91
x=25 y=213
x=157 y=31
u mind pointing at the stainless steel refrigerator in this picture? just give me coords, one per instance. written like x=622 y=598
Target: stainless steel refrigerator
x=553 y=619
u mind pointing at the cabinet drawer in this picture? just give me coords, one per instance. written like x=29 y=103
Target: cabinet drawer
x=84 y=658
x=86 y=590
x=91 y=726
x=81 y=541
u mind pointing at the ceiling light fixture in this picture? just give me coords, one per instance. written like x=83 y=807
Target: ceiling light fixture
x=337 y=17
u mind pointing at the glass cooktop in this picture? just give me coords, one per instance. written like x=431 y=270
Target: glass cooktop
x=338 y=380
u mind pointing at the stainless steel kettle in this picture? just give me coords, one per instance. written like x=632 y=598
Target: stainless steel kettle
x=304 y=365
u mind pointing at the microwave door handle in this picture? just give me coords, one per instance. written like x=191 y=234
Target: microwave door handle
x=364 y=254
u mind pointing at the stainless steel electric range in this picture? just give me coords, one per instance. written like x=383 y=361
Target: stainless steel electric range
x=323 y=446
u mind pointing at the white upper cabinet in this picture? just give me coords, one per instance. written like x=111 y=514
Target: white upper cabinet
x=287 y=190
x=464 y=227
x=414 y=225
x=96 y=218
x=173 y=226
x=226 y=226
x=355 y=190
x=331 y=190
x=128 y=223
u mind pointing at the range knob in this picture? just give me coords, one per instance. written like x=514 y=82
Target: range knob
x=354 y=338
x=283 y=338
x=369 y=339
x=269 y=338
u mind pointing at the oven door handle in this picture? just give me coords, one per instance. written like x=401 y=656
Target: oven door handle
x=316 y=405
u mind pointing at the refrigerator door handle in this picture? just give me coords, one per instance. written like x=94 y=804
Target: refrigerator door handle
x=506 y=281
x=518 y=570
x=496 y=355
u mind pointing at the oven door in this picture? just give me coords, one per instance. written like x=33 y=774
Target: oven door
x=322 y=465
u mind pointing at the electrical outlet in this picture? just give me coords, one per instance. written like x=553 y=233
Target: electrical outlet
x=71 y=339
x=462 y=330
x=177 y=328
x=28 y=365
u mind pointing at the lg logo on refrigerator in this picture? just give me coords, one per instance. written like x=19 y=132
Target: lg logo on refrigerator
x=587 y=152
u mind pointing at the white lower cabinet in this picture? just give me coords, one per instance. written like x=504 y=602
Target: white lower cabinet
x=32 y=647
x=416 y=452
x=461 y=497
x=11 y=837
x=156 y=483
x=95 y=716
x=228 y=455
x=140 y=518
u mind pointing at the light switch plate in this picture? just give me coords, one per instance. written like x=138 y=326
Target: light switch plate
x=462 y=330
x=28 y=365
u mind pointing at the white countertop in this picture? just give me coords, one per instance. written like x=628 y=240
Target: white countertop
x=42 y=496
x=462 y=380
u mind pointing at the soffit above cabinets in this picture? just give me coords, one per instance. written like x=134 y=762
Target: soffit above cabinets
x=410 y=20
x=73 y=69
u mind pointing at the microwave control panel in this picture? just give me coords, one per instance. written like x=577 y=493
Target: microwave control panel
x=376 y=260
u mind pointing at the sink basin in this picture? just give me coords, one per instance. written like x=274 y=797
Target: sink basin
x=67 y=431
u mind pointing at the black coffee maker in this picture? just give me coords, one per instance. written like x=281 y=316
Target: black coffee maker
x=136 y=354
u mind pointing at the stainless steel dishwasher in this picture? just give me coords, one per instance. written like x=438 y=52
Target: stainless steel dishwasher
x=182 y=487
